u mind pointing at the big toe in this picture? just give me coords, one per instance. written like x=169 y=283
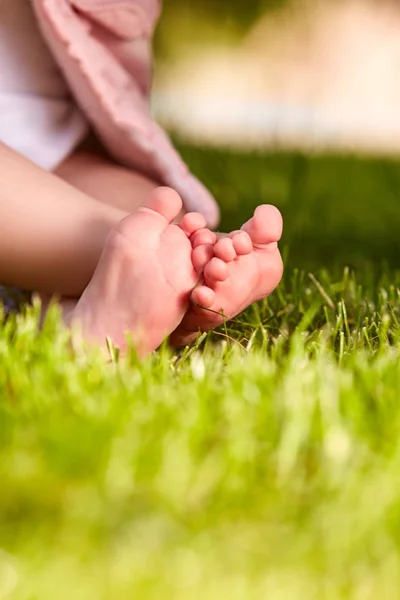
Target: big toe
x=265 y=227
x=164 y=201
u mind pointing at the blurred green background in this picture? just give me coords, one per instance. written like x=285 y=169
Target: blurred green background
x=340 y=209
x=239 y=12
x=184 y=22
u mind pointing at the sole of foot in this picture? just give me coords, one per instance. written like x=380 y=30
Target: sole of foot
x=142 y=285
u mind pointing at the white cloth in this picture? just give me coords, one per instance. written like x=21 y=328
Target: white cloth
x=38 y=118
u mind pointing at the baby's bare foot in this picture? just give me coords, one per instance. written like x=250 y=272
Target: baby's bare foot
x=239 y=269
x=143 y=281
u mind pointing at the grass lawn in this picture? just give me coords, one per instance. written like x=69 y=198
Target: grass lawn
x=261 y=463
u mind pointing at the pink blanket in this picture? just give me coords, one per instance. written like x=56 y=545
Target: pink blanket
x=103 y=48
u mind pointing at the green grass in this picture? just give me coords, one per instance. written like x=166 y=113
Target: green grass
x=263 y=461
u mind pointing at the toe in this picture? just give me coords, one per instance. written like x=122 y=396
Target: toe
x=203 y=296
x=266 y=225
x=191 y=223
x=242 y=243
x=216 y=270
x=166 y=202
x=224 y=249
x=201 y=256
x=203 y=237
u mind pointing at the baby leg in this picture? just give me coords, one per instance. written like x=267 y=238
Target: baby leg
x=52 y=235
x=101 y=178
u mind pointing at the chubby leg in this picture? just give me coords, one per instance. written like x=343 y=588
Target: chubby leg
x=51 y=234
x=99 y=177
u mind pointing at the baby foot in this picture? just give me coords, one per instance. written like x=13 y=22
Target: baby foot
x=239 y=269
x=143 y=280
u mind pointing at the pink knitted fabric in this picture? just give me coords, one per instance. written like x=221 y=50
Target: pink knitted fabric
x=103 y=48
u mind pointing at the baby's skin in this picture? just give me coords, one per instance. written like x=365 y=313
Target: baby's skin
x=240 y=269
x=157 y=279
